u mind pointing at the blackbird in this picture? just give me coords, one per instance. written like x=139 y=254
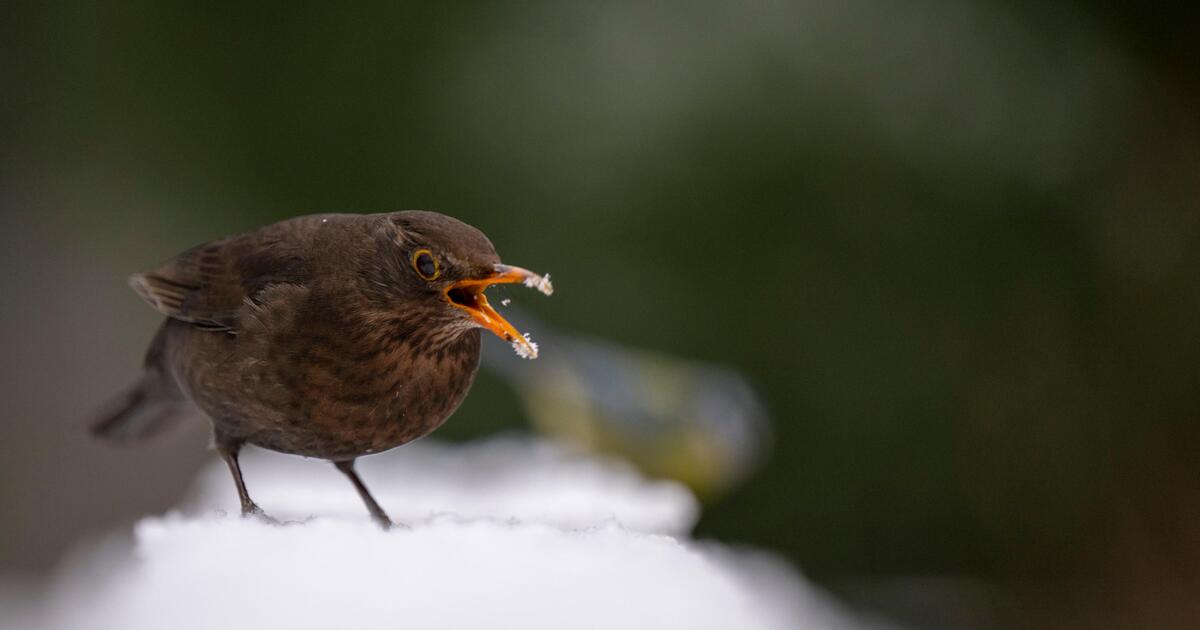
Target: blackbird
x=330 y=336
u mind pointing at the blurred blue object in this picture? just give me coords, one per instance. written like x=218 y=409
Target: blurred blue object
x=698 y=423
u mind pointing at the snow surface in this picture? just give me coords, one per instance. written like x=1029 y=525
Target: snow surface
x=504 y=533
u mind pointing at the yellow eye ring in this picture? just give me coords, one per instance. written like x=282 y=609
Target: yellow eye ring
x=426 y=265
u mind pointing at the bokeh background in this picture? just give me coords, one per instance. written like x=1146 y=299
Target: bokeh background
x=952 y=244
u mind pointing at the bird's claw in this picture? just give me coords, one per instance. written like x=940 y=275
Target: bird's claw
x=387 y=524
x=255 y=512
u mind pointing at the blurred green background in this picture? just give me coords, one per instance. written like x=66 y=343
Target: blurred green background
x=953 y=244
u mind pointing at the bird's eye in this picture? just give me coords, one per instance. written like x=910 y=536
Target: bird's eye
x=426 y=265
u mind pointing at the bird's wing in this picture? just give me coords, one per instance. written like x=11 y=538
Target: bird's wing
x=208 y=284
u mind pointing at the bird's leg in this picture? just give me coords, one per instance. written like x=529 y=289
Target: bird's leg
x=229 y=453
x=377 y=513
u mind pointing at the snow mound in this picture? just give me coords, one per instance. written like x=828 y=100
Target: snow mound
x=502 y=479
x=505 y=533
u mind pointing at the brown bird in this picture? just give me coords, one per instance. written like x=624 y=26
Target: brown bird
x=330 y=336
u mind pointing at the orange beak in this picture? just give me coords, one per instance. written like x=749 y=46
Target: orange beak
x=468 y=296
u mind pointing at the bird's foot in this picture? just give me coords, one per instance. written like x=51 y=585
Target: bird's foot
x=255 y=512
x=387 y=524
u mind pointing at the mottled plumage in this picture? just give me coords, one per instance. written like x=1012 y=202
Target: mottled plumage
x=320 y=336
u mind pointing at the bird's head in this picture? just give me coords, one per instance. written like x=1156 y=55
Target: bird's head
x=445 y=265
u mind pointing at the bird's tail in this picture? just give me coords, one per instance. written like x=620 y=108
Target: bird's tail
x=143 y=411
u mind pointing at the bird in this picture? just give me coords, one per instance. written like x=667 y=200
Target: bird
x=329 y=336
x=700 y=423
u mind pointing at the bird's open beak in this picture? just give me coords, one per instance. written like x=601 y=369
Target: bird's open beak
x=468 y=295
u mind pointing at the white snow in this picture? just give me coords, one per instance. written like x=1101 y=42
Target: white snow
x=525 y=348
x=504 y=533
x=503 y=478
x=541 y=284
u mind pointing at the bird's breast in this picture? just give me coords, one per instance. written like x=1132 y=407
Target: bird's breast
x=333 y=392
x=379 y=393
